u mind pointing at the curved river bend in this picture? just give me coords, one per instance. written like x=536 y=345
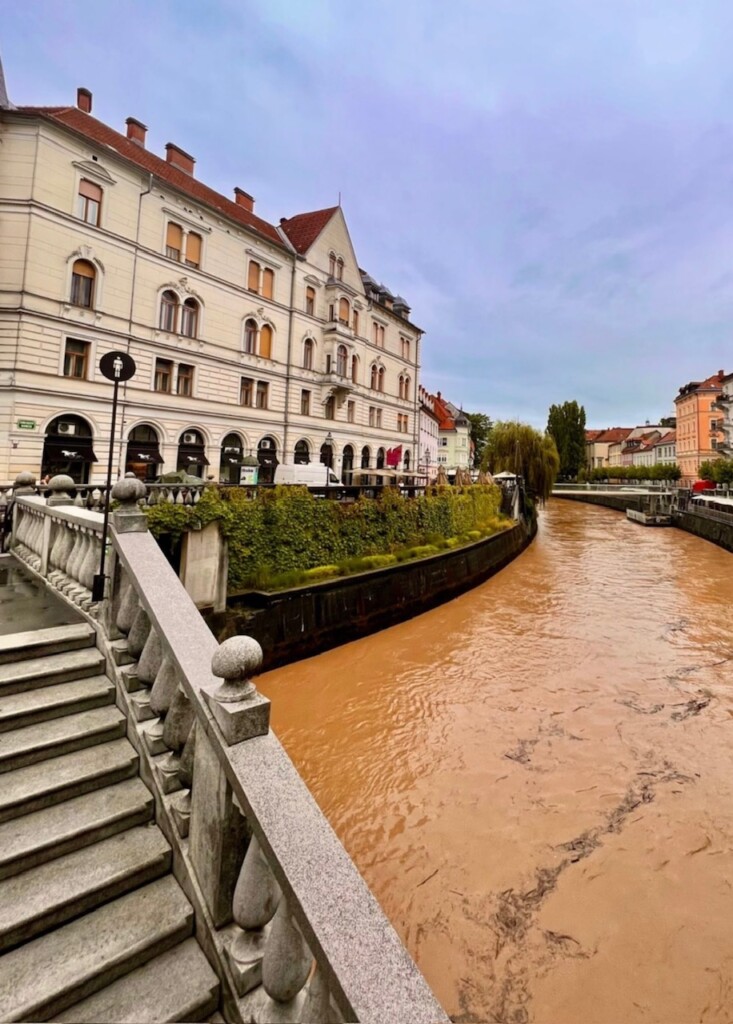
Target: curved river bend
x=535 y=779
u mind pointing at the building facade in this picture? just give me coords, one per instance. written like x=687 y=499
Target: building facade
x=665 y=449
x=250 y=339
x=598 y=445
x=699 y=425
x=455 y=448
x=724 y=406
x=428 y=435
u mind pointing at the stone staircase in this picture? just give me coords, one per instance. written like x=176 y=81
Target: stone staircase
x=93 y=925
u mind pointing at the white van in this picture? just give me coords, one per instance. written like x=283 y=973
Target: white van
x=311 y=474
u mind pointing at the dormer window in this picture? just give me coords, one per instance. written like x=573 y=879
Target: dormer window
x=89 y=202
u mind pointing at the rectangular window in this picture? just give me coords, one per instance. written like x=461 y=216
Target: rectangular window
x=305 y=403
x=90 y=201
x=185 y=380
x=173 y=241
x=405 y=348
x=372 y=417
x=163 y=375
x=76 y=359
x=262 y=392
x=268 y=283
x=246 y=391
x=350 y=411
x=378 y=422
x=193 y=249
x=330 y=408
x=356 y=322
x=310 y=301
x=253 y=276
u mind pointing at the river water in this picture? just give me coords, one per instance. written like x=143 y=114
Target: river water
x=536 y=778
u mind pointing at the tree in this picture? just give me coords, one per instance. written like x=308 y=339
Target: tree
x=566 y=424
x=720 y=471
x=521 y=449
x=480 y=428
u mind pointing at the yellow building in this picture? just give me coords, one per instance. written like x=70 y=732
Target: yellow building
x=248 y=337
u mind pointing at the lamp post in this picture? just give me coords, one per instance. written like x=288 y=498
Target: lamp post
x=117 y=367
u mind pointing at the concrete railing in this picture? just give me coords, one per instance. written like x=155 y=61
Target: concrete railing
x=294 y=930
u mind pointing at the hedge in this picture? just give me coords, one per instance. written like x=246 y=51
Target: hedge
x=287 y=529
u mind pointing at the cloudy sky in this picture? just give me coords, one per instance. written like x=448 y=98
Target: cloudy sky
x=549 y=183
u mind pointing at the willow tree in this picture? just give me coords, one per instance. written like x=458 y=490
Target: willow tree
x=521 y=449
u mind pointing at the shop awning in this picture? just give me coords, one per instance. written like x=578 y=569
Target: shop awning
x=232 y=456
x=192 y=454
x=68 y=449
x=145 y=452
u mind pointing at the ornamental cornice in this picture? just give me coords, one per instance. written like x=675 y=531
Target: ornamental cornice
x=94 y=170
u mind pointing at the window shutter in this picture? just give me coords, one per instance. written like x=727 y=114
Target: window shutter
x=193 y=248
x=174 y=237
x=266 y=341
x=268 y=283
x=90 y=191
x=253 y=276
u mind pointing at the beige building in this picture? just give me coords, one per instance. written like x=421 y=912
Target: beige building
x=249 y=338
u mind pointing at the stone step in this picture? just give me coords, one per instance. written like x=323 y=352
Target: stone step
x=38 y=742
x=39 y=837
x=176 y=986
x=15 y=677
x=31 y=706
x=38 y=643
x=51 y=894
x=60 y=778
x=46 y=976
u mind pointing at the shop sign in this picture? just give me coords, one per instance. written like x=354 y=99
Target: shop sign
x=26 y=424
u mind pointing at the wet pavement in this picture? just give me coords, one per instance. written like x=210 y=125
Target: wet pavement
x=26 y=604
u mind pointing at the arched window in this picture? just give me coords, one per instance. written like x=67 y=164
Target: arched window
x=191 y=453
x=380 y=458
x=190 y=318
x=380 y=381
x=365 y=456
x=401 y=387
x=375 y=377
x=341 y=360
x=230 y=459
x=302 y=453
x=143 y=452
x=250 y=337
x=406 y=461
x=268 y=283
x=354 y=369
x=266 y=341
x=310 y=300
x=339 y=269
x=169 y=312
x=90 y=201
x=344 y=311
x=83 y=275
x=68 y=448
x=406 y=386
x=308 y=354
x=267 y=458
x=253 y=276
x=332 y=264
x=347 y=464
x=327 y=455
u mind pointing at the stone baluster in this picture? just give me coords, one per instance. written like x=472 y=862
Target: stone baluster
x=286 y=965
x=318 y=1007
x=256 y=898
x=138 y=634
x=181 y=802
x=128 y=605
x=61 y=549
x=147 y=670
x=77 y=554
x=91 y=560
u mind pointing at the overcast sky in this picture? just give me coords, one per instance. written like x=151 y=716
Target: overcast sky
x=549 y=183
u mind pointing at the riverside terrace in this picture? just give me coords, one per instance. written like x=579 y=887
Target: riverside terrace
x=239 y=900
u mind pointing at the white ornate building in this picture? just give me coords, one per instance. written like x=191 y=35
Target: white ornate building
x=249 y=338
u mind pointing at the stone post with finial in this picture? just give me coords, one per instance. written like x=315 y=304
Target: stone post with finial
x=59 y=487
x=128 y=517
x=239 y=709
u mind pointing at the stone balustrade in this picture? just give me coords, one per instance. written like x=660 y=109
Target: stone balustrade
x=294 y=930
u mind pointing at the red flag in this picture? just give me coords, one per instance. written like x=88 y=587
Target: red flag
x=394 y=457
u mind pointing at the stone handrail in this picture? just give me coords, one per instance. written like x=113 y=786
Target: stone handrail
x=297 y=935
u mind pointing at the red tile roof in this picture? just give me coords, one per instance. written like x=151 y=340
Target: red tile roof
x=84 y=124
x=613 y=434
x=304 y=228
x=669 y=438
x=592 y=435
x=445 y=417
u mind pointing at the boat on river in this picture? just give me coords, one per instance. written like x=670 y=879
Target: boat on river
x=655 y=511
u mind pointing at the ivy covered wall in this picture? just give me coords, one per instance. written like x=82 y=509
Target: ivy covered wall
x=287 y=529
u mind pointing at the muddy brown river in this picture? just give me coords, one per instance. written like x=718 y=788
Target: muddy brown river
x=536 y=779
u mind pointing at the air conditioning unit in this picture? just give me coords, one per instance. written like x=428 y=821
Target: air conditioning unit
x=190 y=438
x=67 y=428
x=265 y=443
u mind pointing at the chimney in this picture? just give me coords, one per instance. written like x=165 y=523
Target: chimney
x=179 y=158
x=721 y=374
x=84 y=100
x=242 y=198
x=136 y=131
